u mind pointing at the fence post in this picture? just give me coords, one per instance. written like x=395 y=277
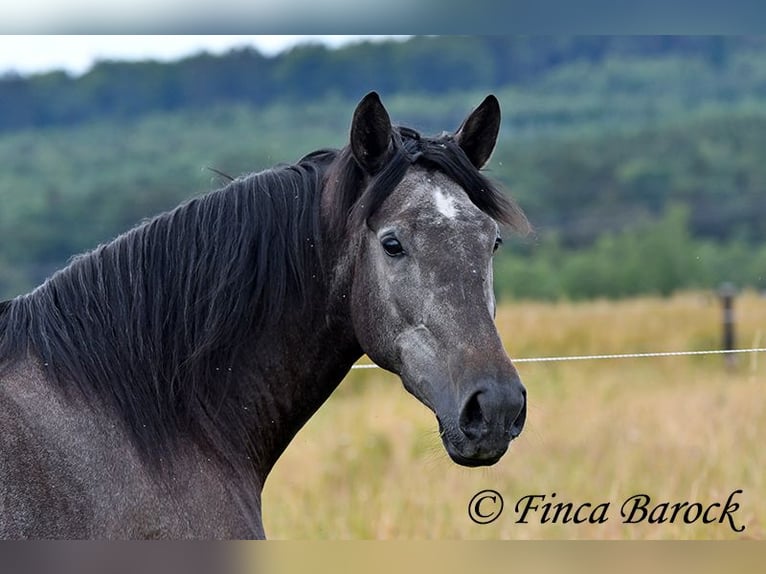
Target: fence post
x=727 y=292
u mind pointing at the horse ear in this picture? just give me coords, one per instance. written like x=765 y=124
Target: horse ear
x=370 y=133
x=478 y=133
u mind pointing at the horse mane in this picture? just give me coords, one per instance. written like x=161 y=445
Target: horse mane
x=152 y=324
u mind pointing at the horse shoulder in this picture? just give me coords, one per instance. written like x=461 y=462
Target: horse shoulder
x=68 y=471
x=39 y=495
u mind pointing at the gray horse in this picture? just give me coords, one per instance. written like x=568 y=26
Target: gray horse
x=147 y=389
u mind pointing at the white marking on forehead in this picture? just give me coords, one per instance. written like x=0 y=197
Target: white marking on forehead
x=445 y=204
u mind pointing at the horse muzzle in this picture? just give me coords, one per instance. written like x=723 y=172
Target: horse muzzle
x=489 y=418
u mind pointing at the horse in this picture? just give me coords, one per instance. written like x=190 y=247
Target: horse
x=148 y=388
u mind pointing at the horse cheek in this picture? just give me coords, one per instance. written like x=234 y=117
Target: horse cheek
x=375 y=316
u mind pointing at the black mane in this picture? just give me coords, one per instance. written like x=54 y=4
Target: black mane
x=152 y=324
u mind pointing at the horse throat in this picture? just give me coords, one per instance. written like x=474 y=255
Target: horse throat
x=294 y=372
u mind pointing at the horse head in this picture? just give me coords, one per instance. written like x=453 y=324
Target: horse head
x=426 y=225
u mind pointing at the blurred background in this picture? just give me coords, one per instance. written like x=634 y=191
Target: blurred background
x=639 y=160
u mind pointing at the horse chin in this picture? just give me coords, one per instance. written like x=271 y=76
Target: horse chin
x=471 y=455
x=473 y=462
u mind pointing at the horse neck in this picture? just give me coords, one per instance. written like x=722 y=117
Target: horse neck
x=172 y=367
x=296 y=367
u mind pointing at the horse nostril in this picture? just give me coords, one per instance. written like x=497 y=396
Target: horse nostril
x=518 y=423
x=491 y=411
x=472 y=422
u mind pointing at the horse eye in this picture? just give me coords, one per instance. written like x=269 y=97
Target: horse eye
x=498 y=243
x=392 y=246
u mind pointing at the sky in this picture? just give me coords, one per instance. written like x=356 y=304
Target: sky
x=76 y=54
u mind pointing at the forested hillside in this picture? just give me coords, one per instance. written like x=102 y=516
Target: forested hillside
x=640 y=160
x=434 y=66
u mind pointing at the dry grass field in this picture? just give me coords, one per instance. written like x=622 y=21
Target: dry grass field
x=370 y=464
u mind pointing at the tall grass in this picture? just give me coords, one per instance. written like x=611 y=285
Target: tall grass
x=370 y=463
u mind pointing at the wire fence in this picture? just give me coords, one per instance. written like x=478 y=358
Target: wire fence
x=616 y=356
